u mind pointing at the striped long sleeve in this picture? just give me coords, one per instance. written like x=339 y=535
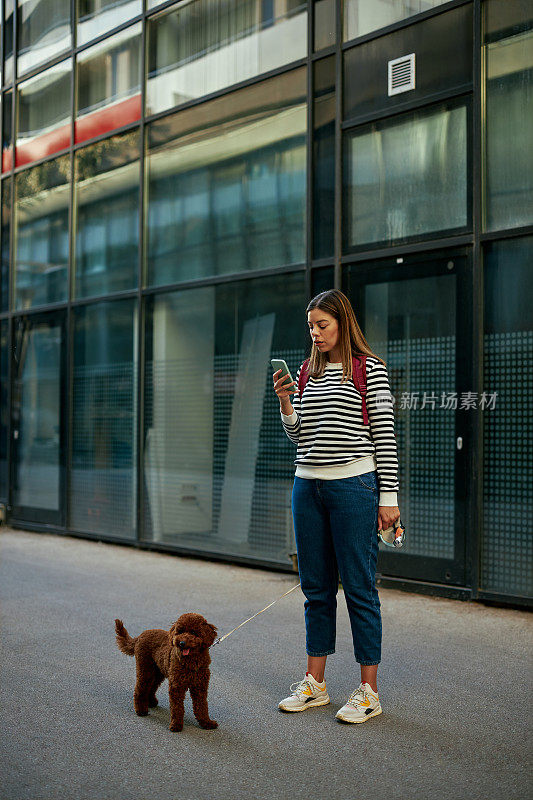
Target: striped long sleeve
x=332 y=441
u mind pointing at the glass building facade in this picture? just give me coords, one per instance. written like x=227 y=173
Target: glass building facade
x=178 y=179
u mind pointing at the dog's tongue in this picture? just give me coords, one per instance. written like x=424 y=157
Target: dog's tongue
x=185 y=652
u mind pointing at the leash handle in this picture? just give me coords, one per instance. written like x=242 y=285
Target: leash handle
x=221 y=638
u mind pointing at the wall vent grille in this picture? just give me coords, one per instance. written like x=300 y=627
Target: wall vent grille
x=402 y=74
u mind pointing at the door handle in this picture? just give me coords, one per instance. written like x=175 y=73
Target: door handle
x=15 y=434
x=459 y=442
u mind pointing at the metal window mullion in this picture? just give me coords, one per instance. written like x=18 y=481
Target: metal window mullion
x=309 y=145
x=141 y=354
x=69 y=376
x=338 y=227
x=11 y=273
x=475 y=503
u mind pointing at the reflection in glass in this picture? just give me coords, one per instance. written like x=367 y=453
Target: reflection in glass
x=324 y=157
x=324 y=24
x=7 y=132
x=364 y=16
x=98 y=16
x=506 y=541
x=227 y=183
x=107 y=197
x=509 y=121
x=4 y=408
x=109 y=84
x=43 y=31
x=103 y=486
x=8 y=6
x=44 y=114
x=4 y=243
x=406 y=176
x=218 y=469
x=41 y=219
x=206 y=45
x=37 y=416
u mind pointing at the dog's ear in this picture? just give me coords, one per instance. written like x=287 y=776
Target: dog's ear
x=172 y=631
x=209 y=633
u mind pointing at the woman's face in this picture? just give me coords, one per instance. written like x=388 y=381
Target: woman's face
x=324 y=330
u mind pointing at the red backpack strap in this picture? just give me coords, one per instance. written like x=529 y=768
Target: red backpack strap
x=359 y=379
x=302 y=378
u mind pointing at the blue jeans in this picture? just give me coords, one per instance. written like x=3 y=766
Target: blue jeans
x=335 y=524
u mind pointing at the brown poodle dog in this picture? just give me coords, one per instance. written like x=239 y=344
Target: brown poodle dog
x=182 y=656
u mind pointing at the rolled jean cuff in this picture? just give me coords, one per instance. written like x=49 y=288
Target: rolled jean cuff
x=367 y=663
x=320 y=655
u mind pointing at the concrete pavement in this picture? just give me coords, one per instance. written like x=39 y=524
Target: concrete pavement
x=454 y=682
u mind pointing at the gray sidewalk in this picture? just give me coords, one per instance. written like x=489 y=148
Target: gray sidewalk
x=455 y=686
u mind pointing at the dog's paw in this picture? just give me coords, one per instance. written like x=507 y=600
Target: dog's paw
x=176 y=728
x=153 y=702
x=209 y=725
x=141 y=713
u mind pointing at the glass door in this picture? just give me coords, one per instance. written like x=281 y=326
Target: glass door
x=38 y=419
x=410 y=312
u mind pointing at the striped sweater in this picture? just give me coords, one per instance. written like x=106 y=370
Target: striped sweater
x=327 y=426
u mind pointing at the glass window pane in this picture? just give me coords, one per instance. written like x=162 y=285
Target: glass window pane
x=37 y=410
x=8 y=6
x=509 y=123
x=103 y=488
x=44 y=114
x=507 y=544
x=406 y=177
x=365 y=16
x=109 y=84
x=107 y=197
x=4 y=408
x=324 y=158
x=322 y=279
x=324 y=24
x=41 y=218
x=4 y=244
x=7 y=136
x=227 y=183
x=212 y=416
x=204 y=46
x=98 y=16
x=43 y=31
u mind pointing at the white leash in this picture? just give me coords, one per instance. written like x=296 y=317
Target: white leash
x=221 y=638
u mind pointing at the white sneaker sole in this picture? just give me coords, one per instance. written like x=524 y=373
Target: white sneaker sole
x=320 y=701
x=363 y=719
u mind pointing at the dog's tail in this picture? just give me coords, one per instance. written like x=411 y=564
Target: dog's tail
x=124 y=641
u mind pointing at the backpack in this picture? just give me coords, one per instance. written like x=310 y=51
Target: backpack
x=359 y=380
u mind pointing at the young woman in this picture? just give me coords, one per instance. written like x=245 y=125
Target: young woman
x=345 y=490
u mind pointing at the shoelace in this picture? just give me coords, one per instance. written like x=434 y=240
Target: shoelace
x=359 y=694
x=300 y=687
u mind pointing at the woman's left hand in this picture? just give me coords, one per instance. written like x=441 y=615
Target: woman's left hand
x=387 y=516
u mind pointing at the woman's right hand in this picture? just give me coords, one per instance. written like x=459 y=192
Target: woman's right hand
x=283 y=390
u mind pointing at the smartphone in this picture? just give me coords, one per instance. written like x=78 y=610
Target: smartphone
x=279 y=363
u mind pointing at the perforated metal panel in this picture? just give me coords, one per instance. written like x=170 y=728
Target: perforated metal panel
x=506 y=542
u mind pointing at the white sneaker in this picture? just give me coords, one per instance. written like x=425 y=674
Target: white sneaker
x=305 y=694
x=361 y=705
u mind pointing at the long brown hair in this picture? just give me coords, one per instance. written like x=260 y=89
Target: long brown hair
x=351 y=339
